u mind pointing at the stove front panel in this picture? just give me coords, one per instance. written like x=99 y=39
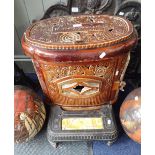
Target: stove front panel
x=81 y=84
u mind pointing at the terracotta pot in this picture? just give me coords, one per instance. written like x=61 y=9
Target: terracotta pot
x=29 y=114
x=130 y=115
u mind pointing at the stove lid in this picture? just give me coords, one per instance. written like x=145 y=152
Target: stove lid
x=79 y=32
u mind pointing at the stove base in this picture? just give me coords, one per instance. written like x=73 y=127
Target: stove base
x=56 y=133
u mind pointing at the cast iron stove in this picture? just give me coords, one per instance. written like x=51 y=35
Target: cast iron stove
x=81 y=125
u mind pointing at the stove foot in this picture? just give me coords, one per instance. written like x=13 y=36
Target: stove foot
x=54 y=144
x=110 y=142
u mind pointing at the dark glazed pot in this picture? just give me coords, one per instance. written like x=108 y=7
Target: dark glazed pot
x=29 y=114
x=130 y=115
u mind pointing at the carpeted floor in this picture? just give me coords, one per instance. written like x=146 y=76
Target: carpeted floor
x=123 y=146
x=40 y=146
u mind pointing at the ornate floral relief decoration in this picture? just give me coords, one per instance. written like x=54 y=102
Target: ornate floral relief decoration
x=123 y=62
x=103 y=70
x=83 y=85
x=61 y=29
x=67 y=32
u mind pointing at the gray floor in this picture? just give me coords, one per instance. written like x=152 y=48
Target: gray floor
x=40 y=146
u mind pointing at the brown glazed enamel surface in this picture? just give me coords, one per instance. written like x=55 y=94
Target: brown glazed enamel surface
x=29 y=114
x=78 y=32
x=80 y=60
x=130 y=115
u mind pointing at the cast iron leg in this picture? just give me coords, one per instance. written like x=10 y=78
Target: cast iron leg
x=54 y=144
x=110 y=142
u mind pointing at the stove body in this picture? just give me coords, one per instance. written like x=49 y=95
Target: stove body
x=80 y=60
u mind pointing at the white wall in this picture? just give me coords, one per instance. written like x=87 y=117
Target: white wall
x=25 y=11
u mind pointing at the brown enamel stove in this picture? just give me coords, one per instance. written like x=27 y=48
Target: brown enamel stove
x=80 y=60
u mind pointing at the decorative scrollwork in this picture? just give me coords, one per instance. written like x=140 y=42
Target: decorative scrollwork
x=103 y=70
x=79 y=84
x=90 y=31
